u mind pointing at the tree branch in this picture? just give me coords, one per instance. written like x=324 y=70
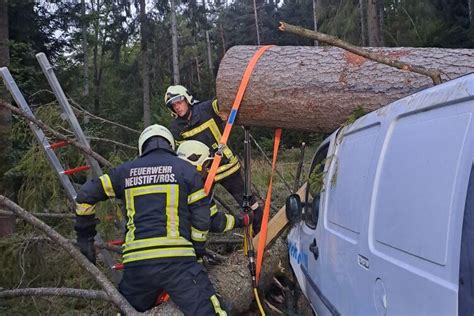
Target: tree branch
x=45 y=291
x=434 y=74
x=109 y=288
x=84 y=111
x=53 y=215
x=49 y=130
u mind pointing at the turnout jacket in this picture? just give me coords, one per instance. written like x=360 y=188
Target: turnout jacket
x=167 y=209
x=206 y=126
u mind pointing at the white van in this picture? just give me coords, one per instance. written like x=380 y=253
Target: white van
x=389 y=224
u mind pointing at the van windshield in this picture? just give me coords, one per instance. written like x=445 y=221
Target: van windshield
x=315 y=186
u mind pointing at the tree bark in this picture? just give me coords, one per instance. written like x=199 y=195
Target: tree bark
x=317 y=88
x=7 y=223
x=373 y=25
x=363 y=22
x=380 y=19
x=45 y=291
x=95 y=56
x=255 y=14
x=174 y=39
x=144 y=64
x=209 y=55
x=315 y=20
x=85 y=48
x=471 y=12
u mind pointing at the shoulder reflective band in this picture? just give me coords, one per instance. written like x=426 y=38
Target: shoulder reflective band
x=262 y=240
x=230 y=121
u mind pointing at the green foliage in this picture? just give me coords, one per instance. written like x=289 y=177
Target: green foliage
x=356 y=113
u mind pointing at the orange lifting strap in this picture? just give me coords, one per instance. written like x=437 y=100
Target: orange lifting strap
x=233 y=113
x=262 y=240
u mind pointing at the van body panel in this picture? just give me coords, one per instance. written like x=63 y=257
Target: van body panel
x=391 y=209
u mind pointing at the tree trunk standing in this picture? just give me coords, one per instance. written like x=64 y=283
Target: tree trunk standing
x=363 y=23
x=471 y=12
x=224 y=46
x=315 y=20
x=144 y=64
x=198 y=72
x=317 y=88
x=373 y=26
x=209 y=55
x=380 y=18
x=85 y=48
x=255 y=14
x=7 y=222
x=95 y=56
x=174 y=39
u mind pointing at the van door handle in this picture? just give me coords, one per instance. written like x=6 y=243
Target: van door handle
x=313 y=247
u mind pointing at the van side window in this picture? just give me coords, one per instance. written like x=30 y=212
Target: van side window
x=315 y=186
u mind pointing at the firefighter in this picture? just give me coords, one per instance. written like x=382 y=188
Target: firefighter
x=198 y=155
x=200 y=121
x=168 y=220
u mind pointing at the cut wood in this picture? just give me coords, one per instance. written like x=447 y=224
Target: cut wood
x=278 y=222
x=318 y=88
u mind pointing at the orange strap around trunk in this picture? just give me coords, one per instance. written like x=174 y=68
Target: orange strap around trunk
x=233 y=113
x=262 y=240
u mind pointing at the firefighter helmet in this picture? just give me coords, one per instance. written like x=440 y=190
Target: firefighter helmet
x=194 y=152
x=177 y=93
x=154 y=130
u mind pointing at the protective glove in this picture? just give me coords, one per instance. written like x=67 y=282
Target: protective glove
x=86 y=246
x=200 y=253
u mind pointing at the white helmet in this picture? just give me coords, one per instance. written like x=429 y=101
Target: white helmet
x=154 y=130
x=176 y=93
x=195 y=152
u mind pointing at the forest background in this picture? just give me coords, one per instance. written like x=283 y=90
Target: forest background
x=115 y=59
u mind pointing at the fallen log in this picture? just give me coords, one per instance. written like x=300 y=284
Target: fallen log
x=318 y=88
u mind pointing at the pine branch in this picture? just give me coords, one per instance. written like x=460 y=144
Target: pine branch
x=64 y=243
x=57 y=135
x=45 y=291
x=434 y=74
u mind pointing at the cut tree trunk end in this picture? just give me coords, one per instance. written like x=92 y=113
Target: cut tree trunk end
x=318 y=88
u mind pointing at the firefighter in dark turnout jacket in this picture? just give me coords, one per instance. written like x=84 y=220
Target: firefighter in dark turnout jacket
x=168 y=220
x=198 y=155
x=200 y=121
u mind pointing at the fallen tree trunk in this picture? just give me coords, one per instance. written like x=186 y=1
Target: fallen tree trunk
x=318 y=88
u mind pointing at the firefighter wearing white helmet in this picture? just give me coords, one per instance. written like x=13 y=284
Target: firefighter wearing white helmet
x=166 y=206
x=152 y=131
x=201 y=121
x=198 y=155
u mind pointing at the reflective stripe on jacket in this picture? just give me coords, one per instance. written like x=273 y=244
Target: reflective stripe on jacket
x=167 y=210
x=206 y=126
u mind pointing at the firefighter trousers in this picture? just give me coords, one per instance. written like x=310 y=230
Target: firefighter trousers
x=186 y=283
